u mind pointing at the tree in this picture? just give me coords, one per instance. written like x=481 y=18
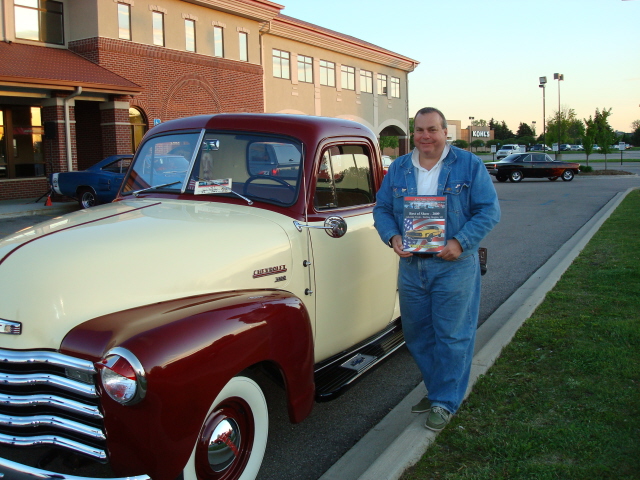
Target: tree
x=460 y=143
x=477 y=144
x=635 y=137
x=635 y=125
x=500 y=130
x=587 y=144
x=525 y=130
x=388 y=142
x=602 y=132
x=479 y=123
x=564 y=127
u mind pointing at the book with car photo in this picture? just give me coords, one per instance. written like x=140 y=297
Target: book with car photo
x=424 y=224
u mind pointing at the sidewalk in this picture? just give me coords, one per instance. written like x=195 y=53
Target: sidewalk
x=400 y=439
x=28 y=206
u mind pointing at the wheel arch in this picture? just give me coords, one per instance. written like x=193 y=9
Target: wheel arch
x=190 y=349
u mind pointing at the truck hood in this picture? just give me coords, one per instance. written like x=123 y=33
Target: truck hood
x=63 y=272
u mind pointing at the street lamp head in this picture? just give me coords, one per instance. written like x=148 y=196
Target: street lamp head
x=543 y=80
x=558 y=76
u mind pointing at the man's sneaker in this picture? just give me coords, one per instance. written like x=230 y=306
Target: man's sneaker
x=423 y=406
x=437 y=419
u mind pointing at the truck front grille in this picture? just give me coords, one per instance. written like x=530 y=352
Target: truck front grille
x=47 y=398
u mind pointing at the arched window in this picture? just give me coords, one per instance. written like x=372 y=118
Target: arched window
x=138 y=127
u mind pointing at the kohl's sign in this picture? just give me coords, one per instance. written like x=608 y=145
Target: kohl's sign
x=480 y=133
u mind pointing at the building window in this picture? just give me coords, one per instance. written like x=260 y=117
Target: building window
x=327 y=73
x=395 y=87
x=190 y=35
x=21 y=132
x=366 y=81
x=139 y=127
x=382 y=84
x=39 y=20
x=124 y=21
x=158 y=28
x=348 y=75
x=218 y=42
x=305 y=69
x=281 y=62
x=243 y=38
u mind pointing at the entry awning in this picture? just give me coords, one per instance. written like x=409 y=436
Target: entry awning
x=37 y=67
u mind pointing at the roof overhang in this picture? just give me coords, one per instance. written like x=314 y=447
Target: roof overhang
x=36 y=70
x=304 y=32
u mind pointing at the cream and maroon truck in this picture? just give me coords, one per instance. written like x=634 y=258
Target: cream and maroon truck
x=137 y=334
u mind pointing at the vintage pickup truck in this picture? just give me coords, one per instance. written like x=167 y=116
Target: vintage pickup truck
x=139 y=333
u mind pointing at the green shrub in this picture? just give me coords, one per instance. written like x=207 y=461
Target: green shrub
x=586 y=168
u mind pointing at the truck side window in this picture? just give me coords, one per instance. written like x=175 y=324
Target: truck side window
x=344 y=178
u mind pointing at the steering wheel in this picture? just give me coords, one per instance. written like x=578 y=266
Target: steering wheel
x=266 y=177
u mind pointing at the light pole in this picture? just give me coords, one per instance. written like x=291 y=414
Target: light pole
x=543 y=82
x=533 y=122
x=559 y=77
x=470 y=124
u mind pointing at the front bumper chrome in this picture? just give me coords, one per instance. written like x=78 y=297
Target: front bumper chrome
x=14 y=471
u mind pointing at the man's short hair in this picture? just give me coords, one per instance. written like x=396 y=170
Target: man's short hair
x=427 y=110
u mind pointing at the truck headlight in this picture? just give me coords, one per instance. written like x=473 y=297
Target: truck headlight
x=122 y=376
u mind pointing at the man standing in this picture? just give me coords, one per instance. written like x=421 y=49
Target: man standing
x=439 y=293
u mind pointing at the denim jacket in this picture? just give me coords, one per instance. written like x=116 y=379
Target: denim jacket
x=472 y=202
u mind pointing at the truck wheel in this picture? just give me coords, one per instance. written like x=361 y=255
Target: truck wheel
x=516 y=176
x=233 y=437
x=567 y=175
x=87 y=198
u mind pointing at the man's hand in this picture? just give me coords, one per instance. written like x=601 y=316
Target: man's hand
x=396 y=243
x=451 y=251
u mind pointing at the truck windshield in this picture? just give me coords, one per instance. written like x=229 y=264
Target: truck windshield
x=258 y=167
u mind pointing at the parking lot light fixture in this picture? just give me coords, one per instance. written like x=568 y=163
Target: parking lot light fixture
x=559 y=77
x=543 y=82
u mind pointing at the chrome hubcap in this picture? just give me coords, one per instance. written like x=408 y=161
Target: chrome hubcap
x=224 y=445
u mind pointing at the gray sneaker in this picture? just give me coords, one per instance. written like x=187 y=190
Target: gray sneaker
x=422 y=406
x=437 y=419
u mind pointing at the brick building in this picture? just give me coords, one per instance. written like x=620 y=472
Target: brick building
x=84 y=79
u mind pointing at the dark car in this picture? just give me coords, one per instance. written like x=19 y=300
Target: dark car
x=95 y=185
x=532 y=165
x=565 y=147
x=539 y=148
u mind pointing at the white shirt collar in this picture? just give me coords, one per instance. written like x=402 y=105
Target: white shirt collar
x=415 y=157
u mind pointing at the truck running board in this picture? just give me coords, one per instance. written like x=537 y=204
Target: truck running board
x=334 y=375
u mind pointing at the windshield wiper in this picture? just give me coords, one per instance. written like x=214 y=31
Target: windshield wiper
x=137 y=192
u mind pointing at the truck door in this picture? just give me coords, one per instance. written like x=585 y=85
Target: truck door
x=355 y=274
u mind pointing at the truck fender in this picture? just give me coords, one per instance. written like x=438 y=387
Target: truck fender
x=189 y=349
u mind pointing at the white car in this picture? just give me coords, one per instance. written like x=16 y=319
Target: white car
x=509 y=149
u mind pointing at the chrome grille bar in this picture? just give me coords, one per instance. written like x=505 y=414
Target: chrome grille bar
x=65 y=404
x=95 y=453
x=50 y=380
x=51 y=421
x=48 y=358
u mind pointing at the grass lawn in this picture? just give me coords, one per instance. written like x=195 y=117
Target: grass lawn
x=563 y=400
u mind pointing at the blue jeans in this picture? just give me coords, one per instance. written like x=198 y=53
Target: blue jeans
x=439 y=304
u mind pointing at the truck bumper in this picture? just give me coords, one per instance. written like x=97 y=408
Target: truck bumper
x=14 y=471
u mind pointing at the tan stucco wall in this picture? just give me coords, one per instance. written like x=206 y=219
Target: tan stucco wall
x=175 y=14
x=291 y=96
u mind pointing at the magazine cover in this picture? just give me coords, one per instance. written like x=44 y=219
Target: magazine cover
x=424 y=224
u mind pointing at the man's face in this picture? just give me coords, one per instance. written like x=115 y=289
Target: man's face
x=428 y=135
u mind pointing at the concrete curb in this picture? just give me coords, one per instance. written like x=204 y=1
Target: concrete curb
x=384 y=454
x=28 y=209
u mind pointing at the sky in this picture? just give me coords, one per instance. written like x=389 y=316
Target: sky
x=483 y=59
